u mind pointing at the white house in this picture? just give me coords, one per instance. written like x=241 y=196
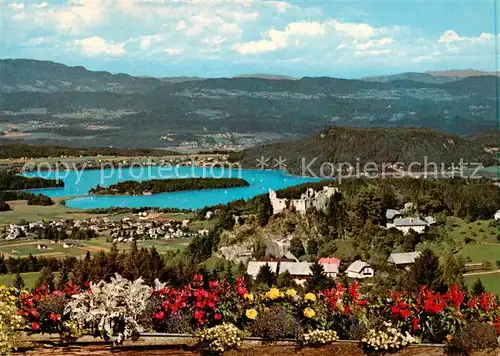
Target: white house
x=497 y=215
x=407 y=224
x=359 y=269
x=330 y=266
x=209 y=215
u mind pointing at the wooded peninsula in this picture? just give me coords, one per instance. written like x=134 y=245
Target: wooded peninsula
x=156 y=186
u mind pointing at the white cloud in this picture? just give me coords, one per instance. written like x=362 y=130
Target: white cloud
x=281 y=6
x=276 y=39
x=19 y=16
x=96 y=46
x=229 y=29
x=16 y=6
x=35 y=41
x=238 y=16
x=181 y=25
x=423 y=59
x=373 y=52
x=356 y=30
x=173 y=51
x=72 y=18
x=305 y=29
x=146 y=41
x=295 y=33
x=450 y=37
x=374 y=44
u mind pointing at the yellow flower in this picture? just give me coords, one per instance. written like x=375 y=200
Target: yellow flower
x=251 y=314
x=273 y=293
x=249 y=297
x=310 y=297
x=309 y=313
x=449 y=337
x=291 y=293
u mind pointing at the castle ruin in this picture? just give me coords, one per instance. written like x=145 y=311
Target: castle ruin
x=309 y=199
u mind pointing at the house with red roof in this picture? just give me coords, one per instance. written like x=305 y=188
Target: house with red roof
x=330 y=265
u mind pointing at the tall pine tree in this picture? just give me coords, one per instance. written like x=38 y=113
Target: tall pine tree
x=19 y=282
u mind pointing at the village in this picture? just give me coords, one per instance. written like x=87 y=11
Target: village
x=140 y=226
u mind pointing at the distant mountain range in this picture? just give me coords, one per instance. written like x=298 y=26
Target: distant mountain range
x=462 y=73
x=417 y=77
x=267 y=76
x=432 y=77
x=48 y=101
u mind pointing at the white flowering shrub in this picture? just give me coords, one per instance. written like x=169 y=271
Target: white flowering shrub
x=387 y=338
x=10 y=322
x=221 y=338
x=318 y=337
x=113 y=310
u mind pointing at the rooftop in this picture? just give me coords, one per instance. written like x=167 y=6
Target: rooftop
x=357 y=266
x=403 y=257
x=409 y=222
x=329 y=260
x=391 y=213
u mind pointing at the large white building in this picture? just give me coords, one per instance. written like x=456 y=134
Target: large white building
x=406 y=224
x=310 y=199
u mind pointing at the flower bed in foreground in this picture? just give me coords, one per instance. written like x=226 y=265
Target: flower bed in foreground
x=222 y=313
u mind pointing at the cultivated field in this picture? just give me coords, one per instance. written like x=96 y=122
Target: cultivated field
x=23 y=248
x=31 y=213
x=482 y=244
x=491 y=281
x=29 y=278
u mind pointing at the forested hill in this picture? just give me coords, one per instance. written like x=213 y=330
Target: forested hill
x=489 y=138
x=379 y=145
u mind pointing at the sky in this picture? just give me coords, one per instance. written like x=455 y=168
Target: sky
x=223 y=38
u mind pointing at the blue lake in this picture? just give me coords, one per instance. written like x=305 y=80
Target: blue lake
x=78 y=183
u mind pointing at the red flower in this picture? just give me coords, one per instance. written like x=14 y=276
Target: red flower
x=34 y=313
x=241 y=291
x=405 y=313
x=455 y=296
x=35 y=326
x=395 y=310
x=354 y=290
x=415 y=322
x=54 y=317
x=160 y=315
x=217 y=316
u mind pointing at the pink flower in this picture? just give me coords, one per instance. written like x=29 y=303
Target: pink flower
x=160 y=315
x=217 y=316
